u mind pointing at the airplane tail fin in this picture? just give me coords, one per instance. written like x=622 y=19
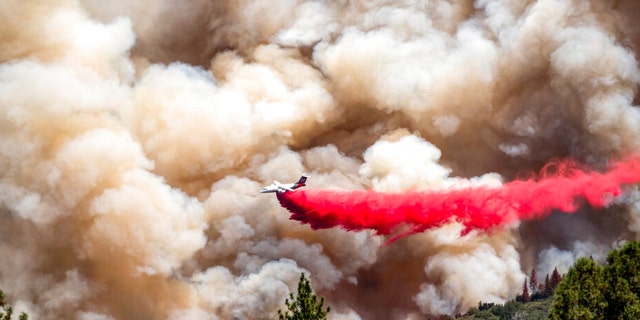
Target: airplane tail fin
x=303 y=179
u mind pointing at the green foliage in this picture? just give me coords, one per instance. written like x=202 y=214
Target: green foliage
x=6 y=311
x=304 y=306
x=623 y=279
x=508 y=310
x=485 y=315
x=536 y=310
x=591 y=291
x=556 y=278
x=581 y=294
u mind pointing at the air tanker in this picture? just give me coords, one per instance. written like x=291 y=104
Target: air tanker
x=284 y=187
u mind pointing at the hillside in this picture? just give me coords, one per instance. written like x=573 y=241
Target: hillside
x=534 y=310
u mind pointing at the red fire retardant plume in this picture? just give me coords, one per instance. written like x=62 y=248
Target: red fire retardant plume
x=560 y=186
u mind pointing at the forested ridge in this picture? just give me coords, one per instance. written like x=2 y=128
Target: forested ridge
x=589 y=290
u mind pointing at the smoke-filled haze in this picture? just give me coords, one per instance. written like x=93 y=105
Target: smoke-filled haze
x=135 y=137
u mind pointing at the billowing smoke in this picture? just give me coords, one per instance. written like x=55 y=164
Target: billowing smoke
x=135 y=136
x=476 y=208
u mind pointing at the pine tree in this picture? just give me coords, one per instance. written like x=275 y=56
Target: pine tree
x=533 y=281
x=592 y=291
x=6 y=311
x=623 y=279
x=548 y=291
x=525 y=292
x=581 y=294
x=556 y=278
x=305 y=305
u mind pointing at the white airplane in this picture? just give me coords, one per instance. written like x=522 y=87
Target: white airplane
x=279 y=187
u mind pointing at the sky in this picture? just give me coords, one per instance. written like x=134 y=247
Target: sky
x=135 y=137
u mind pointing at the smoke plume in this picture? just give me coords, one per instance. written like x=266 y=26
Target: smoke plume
x=135 y=137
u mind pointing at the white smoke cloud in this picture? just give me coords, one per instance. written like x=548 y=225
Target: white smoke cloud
x=553 y=257
x=405 y=164
x=485 y=269
x=135 y=138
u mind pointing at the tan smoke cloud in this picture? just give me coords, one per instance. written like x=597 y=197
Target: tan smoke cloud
x=135 y=137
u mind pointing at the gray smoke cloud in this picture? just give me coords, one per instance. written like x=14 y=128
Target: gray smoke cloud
x=135 y=137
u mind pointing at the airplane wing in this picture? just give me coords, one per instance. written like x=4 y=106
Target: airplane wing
x=270 y=188
x=276 y=187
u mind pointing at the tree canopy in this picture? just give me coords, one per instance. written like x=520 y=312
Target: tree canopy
x=592 y=291
x=622 y=275
x=6 y=310
x=304 y=305
x=580 y=295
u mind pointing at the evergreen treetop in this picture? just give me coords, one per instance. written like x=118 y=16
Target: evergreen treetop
x=533 y=281
x=6 y=311
x=304 y=305
x=592 y=291
x=580 y=294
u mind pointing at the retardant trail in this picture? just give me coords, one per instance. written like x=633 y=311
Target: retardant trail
x=560 y=186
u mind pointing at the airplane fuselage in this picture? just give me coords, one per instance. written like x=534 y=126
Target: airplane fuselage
x=280 y=187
